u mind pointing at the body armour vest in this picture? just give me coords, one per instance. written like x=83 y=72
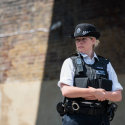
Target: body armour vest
x=94 y=75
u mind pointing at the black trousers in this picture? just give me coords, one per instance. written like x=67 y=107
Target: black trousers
x=80 y=119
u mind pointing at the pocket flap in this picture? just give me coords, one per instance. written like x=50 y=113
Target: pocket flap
x=105 y=84
x=81 y=82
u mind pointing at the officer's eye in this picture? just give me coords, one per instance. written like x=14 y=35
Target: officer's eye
x=83 y=39
x=78 y=40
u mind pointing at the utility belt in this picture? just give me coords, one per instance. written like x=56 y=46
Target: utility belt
x=75 y=106
x=80 y=108
x=86 y=109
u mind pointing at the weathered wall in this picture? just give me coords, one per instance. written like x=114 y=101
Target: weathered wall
x=33 y=45
x=34 y=55
x=119 y=118
x=107 y=16
x=19 y=104
x=23 y=44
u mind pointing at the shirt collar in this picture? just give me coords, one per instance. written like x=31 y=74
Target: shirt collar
x=95 y=56
x=85 y=55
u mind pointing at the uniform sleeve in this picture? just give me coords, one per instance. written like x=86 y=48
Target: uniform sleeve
x=67 y=73
x=112 y=76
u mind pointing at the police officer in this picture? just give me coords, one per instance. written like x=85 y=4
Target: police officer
x=87 y=81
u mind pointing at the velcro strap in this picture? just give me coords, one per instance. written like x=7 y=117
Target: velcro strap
x=92 y=111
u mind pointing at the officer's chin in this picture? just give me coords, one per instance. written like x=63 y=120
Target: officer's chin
x=81 y=50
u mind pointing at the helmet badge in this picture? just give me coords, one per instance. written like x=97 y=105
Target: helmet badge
x=78 y=30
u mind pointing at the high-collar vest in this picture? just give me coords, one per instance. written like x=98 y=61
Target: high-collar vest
x=92 y=75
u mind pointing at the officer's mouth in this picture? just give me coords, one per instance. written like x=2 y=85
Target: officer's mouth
x=80 y=47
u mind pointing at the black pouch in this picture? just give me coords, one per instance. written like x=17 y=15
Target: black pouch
x=81 y=82
x=111 y=109
x=105 y=84
x=68 y=107
x=60 y=108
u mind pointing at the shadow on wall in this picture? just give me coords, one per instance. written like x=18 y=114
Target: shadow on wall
x=66 y=14
x=59 y=47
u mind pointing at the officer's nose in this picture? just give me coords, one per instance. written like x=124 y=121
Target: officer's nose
x=80 y=41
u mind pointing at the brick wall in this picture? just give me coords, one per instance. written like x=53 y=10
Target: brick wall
x=107 y=16
x=39 y=55
x=34 y=43
x=22 y=56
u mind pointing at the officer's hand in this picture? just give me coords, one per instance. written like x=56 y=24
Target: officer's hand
x=99 y=94
x=91 y=98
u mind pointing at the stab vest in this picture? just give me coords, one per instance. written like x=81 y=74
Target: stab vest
x=94 y=75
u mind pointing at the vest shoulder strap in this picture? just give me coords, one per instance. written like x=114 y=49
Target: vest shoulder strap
x=103 y=61
x=73 y=54
x=73 y=58
x=77 y=63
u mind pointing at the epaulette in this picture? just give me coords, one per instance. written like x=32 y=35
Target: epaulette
x=102 y=59
x=100 y=56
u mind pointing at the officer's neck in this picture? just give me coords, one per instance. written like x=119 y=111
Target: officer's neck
x=90 y=54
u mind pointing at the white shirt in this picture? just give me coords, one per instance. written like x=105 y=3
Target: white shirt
x=68 y=72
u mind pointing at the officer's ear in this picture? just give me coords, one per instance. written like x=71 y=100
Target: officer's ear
x=93 y=40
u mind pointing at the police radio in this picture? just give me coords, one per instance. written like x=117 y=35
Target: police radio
x=79 y=63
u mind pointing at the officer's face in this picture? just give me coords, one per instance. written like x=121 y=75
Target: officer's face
x=85 y=44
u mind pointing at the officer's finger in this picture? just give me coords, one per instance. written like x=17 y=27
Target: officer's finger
x=99 y=100
x=104 y=90
x=103 y=99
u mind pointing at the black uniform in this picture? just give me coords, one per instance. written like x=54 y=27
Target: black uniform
x=91 y=75
x=74 y=111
